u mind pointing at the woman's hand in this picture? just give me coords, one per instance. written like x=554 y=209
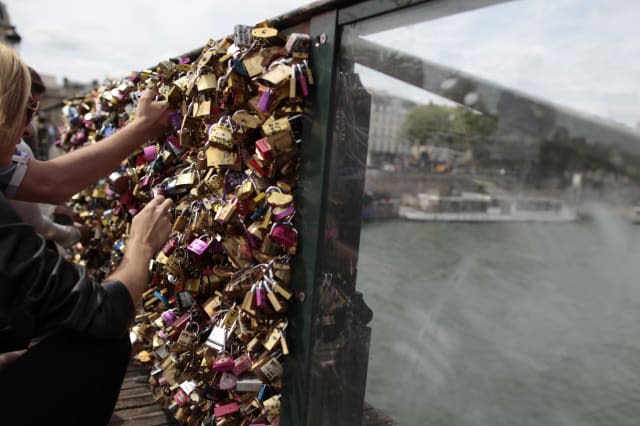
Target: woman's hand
x=151 y=226
x=152 y=116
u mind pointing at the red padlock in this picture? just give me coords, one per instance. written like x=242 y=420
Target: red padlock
x=264 y=150
x=170 y=246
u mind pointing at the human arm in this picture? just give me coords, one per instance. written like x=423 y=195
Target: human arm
x=149 y=231
x=41 y=291
x=32 y=214
x=56 y=180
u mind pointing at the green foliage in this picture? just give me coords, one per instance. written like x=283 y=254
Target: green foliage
x=450 y=126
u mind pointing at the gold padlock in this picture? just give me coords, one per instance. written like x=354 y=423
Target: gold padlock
x=278 y=198
x=245 y=190
x=221 y=136
x=207 y=82
x=253 y=64
x=276 y=77
x=272 y=126
x=221 y=158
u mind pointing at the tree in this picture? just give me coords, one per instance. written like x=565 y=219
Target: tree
x=453 y=127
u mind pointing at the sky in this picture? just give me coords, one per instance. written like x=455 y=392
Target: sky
x=581 y=54
x=86 y=40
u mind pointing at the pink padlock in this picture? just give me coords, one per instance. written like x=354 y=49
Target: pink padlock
x=284 y=234
x=168 y=317
x=265 y=98
x=303 y=81
x=181 y=398
x=260 y=301
x=150 y=152
x=223 y=362
x=227 y=381
x=199 y=245
x=242 y=364
x=280 y=213
x=226 y=409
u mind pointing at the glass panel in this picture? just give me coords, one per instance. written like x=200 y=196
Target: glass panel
x=497 y=249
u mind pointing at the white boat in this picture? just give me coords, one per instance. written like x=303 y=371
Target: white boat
x=484 y=208
x=635 y=215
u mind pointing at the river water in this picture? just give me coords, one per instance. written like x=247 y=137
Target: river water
x=504 y=324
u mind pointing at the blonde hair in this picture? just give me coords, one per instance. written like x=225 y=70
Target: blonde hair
x=15 y=87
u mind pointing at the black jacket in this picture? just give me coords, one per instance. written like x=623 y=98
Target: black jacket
x=41 y=292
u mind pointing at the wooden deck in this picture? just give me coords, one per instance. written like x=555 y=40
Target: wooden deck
x=136 y=407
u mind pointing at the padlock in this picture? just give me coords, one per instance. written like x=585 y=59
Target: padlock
x=253 y=64
x=277 y=198
x=247 y=302
x=181 y=398
x=281 y=290
x=221 y=135
x=212 y=305
x=221 y=410
x=248 y=384
x=245 y=119
x=271 y=370
x=272 y=406
x=265 y=100
x=273 y=300
x=298 y=45
x=275 y=76
x=245 y=190
x=218 y=338
x=188 y=338
x=242 y=35
x=302 y=80
x=224 y=214
x=150 y=152
x=186 y=177
x=168 y=317
x=273 y=126
x=242 y=364
x=272 y=339
x=284 y=234
x=181 y=221
x=282 y=213
x=223 y=362
x=170 y=246
x=221 y=158
x=227 y=381
x=200 y=245
x=264 y=149
x=201 y=161
x=264 y=32
x=260 y=299
x=184 y=300
x=207 y=82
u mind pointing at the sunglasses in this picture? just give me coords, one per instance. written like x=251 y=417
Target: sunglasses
x=32 y=110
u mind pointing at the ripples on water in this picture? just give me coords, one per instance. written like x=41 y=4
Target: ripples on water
x=504 y=324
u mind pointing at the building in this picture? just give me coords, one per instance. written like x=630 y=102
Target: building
x=8 y=34
x=50 y=115
x=385 y=140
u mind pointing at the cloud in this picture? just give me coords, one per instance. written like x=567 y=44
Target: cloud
x=89 y=40
x=569 y=52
